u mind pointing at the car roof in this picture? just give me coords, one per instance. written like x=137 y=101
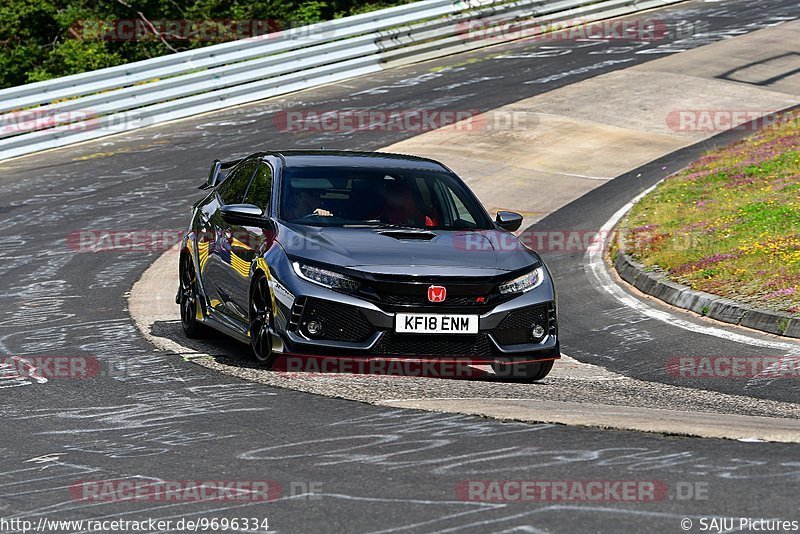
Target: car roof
x=347 y=158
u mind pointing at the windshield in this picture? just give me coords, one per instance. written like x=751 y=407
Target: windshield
x=341 y=196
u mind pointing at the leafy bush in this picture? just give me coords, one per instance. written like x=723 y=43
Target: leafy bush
x=43 y=39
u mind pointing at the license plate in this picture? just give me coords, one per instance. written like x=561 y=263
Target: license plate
x=428 y=323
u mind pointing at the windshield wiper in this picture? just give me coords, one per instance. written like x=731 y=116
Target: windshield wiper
x=379 y=224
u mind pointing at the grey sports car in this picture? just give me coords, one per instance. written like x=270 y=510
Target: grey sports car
x=364 y=255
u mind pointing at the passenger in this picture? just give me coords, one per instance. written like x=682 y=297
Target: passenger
x=401 y=207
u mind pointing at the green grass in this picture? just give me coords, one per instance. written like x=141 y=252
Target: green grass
x=729 y=224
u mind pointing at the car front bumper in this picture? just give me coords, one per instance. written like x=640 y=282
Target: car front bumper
x=356 y=327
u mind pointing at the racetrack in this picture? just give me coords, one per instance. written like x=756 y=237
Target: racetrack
x=153 y=415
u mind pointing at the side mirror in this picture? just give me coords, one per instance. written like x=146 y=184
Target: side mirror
x=244 y=215
x=213 y=175
x=508 y=220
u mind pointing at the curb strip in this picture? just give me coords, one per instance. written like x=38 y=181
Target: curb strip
x=705 y=304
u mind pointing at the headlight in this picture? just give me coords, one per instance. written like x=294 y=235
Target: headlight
x=524 y=283
x=326 y=278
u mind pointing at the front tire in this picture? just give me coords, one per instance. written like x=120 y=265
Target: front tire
x=523 y=372
x=189 y=300
x=260 y=321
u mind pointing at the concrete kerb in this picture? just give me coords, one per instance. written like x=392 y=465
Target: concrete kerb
x=713 y=306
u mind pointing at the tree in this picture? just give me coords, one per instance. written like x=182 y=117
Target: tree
x=43 y=39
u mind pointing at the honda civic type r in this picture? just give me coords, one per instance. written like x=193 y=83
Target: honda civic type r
x=367 y=255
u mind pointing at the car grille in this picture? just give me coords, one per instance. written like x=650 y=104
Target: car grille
x=433 y=345
x=422 y=300
x=515 y=328
x=398 y=294
x=341 y=322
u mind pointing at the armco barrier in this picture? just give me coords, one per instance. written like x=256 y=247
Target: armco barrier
x=108 y=101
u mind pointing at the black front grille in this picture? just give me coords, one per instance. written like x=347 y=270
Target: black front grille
x=422 y=300
x=340 y=321
x=392 y=344
x=516 y=327
x=398 y=293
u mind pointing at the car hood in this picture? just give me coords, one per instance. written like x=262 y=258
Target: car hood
x=404 y=252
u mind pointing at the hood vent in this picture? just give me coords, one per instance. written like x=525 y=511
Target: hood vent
x=402 y=235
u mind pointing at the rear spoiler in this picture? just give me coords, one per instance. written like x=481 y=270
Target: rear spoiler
x=214 y=175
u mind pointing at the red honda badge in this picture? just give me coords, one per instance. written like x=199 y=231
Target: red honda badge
x=437 y=293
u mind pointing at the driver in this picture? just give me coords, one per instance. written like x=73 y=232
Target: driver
x=305 y=202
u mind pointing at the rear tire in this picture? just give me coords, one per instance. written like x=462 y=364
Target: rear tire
x=189 y=300
x=260 y=322
x=523 y=372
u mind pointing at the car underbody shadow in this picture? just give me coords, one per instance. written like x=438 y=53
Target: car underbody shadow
x=228 y=352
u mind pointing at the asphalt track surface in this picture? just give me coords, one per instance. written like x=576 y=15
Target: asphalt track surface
x=149 y=415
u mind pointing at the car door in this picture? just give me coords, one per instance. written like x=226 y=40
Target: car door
x=221 y=257
x=248 y=241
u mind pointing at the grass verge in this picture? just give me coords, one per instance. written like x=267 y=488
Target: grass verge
x=729 y=224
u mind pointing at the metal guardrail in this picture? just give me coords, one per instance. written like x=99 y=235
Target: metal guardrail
x=86 y=106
